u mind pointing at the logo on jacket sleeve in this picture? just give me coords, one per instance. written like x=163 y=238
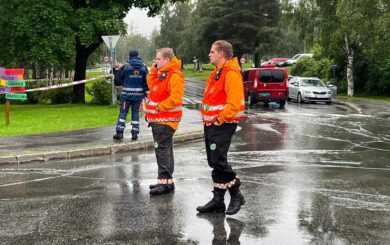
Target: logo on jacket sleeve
x=136 y=72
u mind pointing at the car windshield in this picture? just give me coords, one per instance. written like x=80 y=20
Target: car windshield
x=295 y=57
x=312 y=83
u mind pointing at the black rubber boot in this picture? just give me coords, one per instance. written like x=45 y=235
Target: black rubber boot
x=216 y=204
x=236 y=199
x=118 y=135
x=162 y=189
x=134 y=136
x=155 y=186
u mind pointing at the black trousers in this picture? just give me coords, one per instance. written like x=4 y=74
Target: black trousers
x=218 y=140
x=163 y=147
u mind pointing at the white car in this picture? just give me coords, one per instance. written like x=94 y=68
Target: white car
x=295 y=58
x=309 y=89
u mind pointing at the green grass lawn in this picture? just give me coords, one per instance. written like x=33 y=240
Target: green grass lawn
x=34 y=119
x=365 y=97
x=188 y=70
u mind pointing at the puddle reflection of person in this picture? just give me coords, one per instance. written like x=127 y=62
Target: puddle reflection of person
x=218 y=223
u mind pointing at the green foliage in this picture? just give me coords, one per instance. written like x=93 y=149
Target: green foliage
x=139 y=42
x=338 y=27
x=379 y=78
x=310 y=67
x=247 y=25
x=52 y=96
x=100 y=92
x=34 y=97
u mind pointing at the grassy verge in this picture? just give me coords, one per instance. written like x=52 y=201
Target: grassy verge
x=188 y=71
x=365 y=97
x=34 y=119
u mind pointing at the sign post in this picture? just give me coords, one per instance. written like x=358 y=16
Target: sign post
x=7 y=112
x=13 y=87
x=110 y=42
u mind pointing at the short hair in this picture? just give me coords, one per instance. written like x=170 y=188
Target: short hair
x=225 y=47
x=166 y=53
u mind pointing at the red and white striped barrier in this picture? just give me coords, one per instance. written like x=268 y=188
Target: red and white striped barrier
x=48 y=79
x=65 y=84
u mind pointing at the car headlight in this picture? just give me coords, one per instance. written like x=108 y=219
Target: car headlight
x=329 y=92
x=306 y=91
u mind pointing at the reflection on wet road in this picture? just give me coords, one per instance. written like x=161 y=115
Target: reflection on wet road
x=312 y=174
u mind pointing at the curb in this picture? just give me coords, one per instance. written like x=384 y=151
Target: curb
x=93 y=151
x=349 y=104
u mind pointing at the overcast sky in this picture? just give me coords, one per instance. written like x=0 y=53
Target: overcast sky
x=142 y=23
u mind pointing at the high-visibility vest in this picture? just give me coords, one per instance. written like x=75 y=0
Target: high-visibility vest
x=159 y=93
x=214 y=99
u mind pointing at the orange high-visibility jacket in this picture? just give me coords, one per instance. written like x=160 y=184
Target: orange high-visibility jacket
x=165 y=100
x=223 y=98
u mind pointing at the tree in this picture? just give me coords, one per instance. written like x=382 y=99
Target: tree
x=245 y=24
x=135 y=41
x=96 y=18
x=36 y=32
x=338 y=26
x=173 y=25
x=53 y=31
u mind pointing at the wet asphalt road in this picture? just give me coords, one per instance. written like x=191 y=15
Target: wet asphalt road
x=312 y=174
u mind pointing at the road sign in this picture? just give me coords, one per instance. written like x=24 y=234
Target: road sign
x=16 y=84
x=334 y=66
x=106 y=59
x=12 y=77
x=114 y=51
x=4 y=90
x=15 y=96
x=110 y=41
x=3 y=83
x=243 y=60
x=17 y=90
x=14 y=71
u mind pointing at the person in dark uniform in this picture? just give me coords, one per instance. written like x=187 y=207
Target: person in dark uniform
x=132 y=78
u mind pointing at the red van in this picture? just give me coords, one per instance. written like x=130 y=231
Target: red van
x=265 y=85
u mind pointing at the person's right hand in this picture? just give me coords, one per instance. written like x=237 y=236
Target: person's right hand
x=118 y=66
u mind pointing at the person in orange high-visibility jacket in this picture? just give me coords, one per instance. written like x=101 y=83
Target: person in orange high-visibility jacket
x=223 y=107
x=163 y=111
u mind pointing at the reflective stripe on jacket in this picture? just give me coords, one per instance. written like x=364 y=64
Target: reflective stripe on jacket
x=224 y=97
x=159 y=91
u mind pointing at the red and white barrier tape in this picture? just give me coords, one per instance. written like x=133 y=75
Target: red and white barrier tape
x=66 y=84
x=48 y=79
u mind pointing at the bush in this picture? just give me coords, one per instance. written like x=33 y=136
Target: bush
x=310 y=67
x=379 y=79
x=58 y=95
x=53 y=96
x=33 y=97
x=100 y=92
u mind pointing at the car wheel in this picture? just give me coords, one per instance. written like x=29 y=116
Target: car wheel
x=282 y=103
x=328 y=102
x=299 y=98
x=251 y=99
